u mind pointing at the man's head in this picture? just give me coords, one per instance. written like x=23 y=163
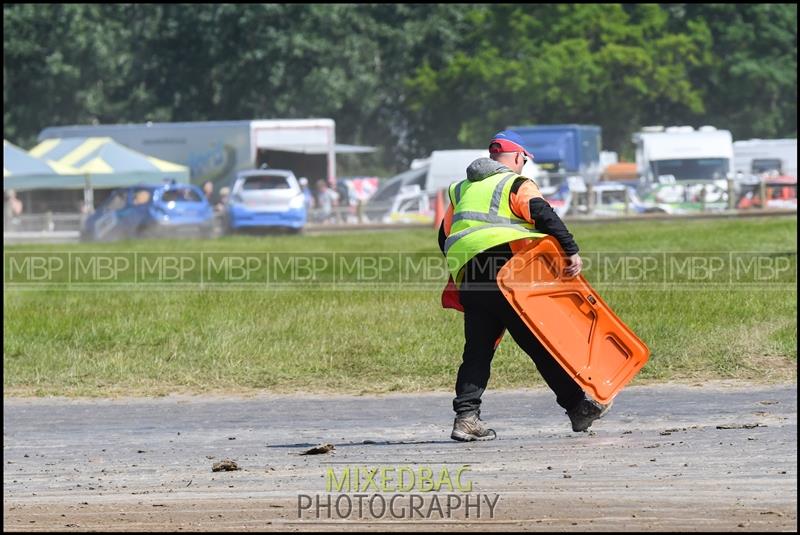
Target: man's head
x=208 y=188
x=507 y=148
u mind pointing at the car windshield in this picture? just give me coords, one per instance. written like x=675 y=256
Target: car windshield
x=116 y=201
x=180 y=195
x=612 y=196
x=692 y=169
x=265 y=182
x=387 y=193
x=765 y=165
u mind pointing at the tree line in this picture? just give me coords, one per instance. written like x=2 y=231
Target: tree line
x=408 y=78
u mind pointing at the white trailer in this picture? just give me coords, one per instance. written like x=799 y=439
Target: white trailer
x=681 y=153
x=755 y=156
x=217 y=150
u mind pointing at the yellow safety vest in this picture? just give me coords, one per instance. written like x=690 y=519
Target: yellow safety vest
x=482 y=219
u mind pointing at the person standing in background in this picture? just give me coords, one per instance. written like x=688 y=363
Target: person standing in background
x=208 y=191
x=12 y=208
x=307 y=195
x=327 y=199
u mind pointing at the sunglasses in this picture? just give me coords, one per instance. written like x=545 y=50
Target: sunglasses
x=524 y=158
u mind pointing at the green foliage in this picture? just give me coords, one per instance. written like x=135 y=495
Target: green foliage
x=408 y=78
x=752 y=89
x=582 y=63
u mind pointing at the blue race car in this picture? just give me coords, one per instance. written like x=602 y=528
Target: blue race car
x=266 y=198
x=158 y=210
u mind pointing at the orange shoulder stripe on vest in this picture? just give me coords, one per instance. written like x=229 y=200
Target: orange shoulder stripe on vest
x=448 y=219
x=520 y=201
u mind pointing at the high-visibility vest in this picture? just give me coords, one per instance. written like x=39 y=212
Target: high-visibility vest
x=482 y=219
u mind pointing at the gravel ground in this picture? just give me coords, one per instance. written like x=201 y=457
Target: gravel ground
x=706 y=457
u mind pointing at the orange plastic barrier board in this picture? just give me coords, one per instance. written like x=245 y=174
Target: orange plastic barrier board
x=571 y=320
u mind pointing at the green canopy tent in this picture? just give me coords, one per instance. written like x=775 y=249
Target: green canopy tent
x=104 y=163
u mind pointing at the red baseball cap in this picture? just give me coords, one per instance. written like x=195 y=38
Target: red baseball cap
x=508 y=141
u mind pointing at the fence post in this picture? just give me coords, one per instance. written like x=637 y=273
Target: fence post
x=590 y=198
x=762 y=191
x=703 y=198
x=627 y=201
x=731 y=194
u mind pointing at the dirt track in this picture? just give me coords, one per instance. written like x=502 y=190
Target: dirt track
x=719 y=457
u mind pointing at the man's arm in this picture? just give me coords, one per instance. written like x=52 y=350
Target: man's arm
x=528 y=203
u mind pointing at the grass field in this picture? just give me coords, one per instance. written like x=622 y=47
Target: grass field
x=379 y=329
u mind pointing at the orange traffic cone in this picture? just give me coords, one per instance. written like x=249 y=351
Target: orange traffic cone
x=438 y=213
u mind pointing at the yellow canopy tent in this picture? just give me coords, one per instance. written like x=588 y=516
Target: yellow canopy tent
x=104 y=163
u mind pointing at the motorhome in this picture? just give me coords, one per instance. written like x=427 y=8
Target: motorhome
x=754 y=157
x=682 y=169
x=681 y=153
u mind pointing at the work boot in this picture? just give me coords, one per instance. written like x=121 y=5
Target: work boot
x=469 y=427
x=586 y=412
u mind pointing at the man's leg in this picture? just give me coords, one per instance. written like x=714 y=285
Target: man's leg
x=482 y=328
x=581 y=410
x=568 y=392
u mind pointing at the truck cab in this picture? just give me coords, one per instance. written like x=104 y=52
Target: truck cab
x=562 y=150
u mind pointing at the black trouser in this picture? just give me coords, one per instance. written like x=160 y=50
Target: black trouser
x=486 y=314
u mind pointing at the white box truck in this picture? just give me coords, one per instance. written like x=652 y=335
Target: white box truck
x=217 y=150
